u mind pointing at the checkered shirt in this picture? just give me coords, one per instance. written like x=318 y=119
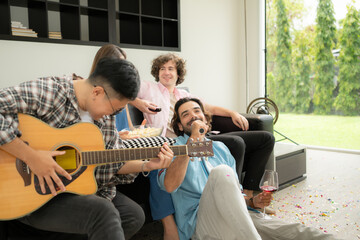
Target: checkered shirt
x=53 y=101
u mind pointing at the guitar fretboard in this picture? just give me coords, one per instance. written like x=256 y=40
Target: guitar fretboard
x=127 y=154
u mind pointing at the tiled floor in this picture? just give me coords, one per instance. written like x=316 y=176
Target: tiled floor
x=328 y=199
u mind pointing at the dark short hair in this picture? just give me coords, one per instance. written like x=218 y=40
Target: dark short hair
x=180 y=64
x=119 y=74
x=176 y=118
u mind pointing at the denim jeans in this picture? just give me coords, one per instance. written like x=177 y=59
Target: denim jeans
x=89 y=215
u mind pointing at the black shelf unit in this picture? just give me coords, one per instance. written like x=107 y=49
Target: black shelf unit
x=151 y=8
x=151 y=31
x=148 y=24
x=129 y=23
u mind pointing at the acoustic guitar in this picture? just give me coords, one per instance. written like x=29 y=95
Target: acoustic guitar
x=20 y=192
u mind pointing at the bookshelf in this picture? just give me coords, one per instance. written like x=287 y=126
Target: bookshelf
x=149 y=24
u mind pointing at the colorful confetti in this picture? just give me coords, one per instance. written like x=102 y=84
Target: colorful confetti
x=326 y=199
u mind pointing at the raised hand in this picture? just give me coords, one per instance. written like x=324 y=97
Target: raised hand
x=198 y=130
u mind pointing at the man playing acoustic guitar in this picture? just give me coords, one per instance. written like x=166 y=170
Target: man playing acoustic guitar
x=61 y=103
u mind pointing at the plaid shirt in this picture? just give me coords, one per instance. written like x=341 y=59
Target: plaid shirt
x=53 y=101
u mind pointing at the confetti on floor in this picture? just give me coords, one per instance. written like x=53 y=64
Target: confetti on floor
x=326 y=199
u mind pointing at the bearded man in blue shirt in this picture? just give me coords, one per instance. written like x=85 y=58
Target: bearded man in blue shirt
x=207 y=196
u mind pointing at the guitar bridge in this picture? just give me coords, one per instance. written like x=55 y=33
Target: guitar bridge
x=24 y=171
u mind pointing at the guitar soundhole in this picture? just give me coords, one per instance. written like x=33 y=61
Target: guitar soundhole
x=70 y=160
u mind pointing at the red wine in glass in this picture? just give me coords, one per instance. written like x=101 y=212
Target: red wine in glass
x=269 y=183
x=268 y=188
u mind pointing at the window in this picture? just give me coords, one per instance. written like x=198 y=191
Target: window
x=310 y=50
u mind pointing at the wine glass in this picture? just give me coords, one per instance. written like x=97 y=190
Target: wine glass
x=269 y=183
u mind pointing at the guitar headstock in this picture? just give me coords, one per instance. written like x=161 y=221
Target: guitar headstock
x=200 y=148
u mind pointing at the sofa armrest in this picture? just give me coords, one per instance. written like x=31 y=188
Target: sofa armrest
x=256 y=122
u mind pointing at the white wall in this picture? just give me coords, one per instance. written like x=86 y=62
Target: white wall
x=255 y=45
x=212 y=42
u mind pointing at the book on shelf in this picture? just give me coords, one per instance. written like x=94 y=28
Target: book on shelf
x=18 y=29
x=24 y=34
x=52 y=37
x=17 y=24
x=26 y=30
x=55 y=35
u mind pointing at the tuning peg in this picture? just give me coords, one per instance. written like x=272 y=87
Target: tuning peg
x=194 y=154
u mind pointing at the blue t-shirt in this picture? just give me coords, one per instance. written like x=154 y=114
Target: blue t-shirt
x=187 y=196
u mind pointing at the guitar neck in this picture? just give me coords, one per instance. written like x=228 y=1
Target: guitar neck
x=127 y=154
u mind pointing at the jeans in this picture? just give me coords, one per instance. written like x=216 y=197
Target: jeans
x=89 y=215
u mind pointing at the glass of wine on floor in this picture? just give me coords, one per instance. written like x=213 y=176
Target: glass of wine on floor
x=269 y=183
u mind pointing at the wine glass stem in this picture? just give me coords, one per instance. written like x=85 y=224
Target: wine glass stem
x=264 y=214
